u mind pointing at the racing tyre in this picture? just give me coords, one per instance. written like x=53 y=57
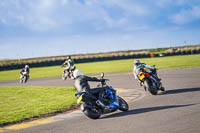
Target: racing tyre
x=93 y=114
x=64 y=77
x=123 y=105
x=150 y=88
x=25 y=79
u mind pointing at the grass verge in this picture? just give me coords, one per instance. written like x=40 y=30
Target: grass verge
x=18 y=103
x=171 y=62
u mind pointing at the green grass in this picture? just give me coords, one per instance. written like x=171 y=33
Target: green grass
x=171 y=62
x=18 y=103
x=175 y=62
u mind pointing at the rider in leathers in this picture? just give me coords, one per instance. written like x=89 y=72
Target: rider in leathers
x=68 y=64
x=24 y=71
x=139 y=67
x=81 y=84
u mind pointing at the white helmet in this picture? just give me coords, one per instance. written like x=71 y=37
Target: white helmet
x=137 y=62
x=26 y=66
x=77 y=73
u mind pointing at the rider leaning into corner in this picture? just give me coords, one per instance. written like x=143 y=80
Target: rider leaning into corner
x=81 y=84
x=139 y=67
x=25 y=70
x=68 y=64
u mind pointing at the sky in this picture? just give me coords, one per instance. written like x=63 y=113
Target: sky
x=40 y=28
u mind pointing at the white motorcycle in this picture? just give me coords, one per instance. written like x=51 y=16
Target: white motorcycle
x=68 y=72
x=24 y=77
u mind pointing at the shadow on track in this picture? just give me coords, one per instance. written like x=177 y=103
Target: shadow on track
x=144 y=110
x=179 y=91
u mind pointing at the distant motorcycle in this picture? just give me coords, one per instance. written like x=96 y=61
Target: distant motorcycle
x=93 y=109
x=150 y=81
x=68 y=73
x=24 y=77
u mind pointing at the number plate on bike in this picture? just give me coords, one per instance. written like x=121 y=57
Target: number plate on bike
x=141 y=76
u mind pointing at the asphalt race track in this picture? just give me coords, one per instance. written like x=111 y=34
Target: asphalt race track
x=177 y=110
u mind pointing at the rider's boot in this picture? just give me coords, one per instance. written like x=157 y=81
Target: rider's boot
x=162 y=88
x=141 y=83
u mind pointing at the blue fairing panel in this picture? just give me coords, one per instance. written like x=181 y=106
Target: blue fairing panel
x=79 y=93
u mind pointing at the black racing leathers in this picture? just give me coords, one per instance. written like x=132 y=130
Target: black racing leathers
x=81 y=84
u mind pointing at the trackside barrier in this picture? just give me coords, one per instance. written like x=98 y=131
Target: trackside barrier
x=91 y=59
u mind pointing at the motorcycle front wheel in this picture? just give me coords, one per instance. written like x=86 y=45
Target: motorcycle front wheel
x=123 y=105
x=64 y=76
x=25 y=79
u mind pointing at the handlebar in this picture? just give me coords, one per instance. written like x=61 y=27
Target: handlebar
x=102 y=83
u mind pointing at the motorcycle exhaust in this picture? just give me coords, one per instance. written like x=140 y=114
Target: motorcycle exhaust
x=99 y=103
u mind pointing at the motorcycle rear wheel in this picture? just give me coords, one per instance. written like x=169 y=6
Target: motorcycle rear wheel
x=91 y=114
x=150 y=88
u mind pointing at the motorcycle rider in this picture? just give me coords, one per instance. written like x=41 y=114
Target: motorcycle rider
x=69 y=61
x=68 y=64
x=139 y=67
x=25 y=71
x=81 y=84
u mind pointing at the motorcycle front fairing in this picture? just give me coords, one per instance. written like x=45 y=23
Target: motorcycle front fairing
x=113 y=96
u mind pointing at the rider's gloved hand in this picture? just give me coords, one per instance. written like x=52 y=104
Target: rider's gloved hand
x=103 y=80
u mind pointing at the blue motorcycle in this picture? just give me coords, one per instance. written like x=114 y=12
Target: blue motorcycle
x=93 y=108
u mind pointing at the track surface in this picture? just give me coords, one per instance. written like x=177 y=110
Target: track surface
x=175 y=111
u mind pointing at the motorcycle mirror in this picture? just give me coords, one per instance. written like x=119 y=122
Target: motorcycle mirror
x=102 y=75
